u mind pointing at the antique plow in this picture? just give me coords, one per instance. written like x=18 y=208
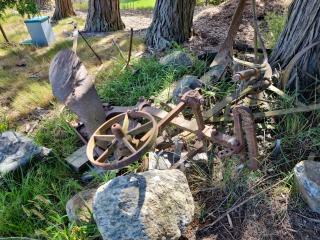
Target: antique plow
x=126 y=137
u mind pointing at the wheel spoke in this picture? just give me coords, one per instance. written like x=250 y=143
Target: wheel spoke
x=141 y=129
x=125 y=125
x=128 y=145
x=107 y=152
x=105 y=138
x=146 y=136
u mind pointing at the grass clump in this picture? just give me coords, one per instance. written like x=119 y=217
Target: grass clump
x=124 y=88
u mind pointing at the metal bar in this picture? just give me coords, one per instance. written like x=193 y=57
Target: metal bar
x=4 y=34
x=88 y=44
x=130 y=48
x=171 y=115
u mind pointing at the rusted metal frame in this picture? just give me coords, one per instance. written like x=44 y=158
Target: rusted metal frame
x=248 y=126
x=171 y=115
x=248 y=74
x=130 y=48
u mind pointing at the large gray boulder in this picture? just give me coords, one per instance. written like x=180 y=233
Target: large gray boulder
x=17 y=150
x=150 y=205
x=177 y=59
x=185 y=84
x=307 y=174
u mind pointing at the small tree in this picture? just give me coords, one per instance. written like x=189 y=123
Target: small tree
x=24 y=7
x=63 y=9
x=104 y=16
x=172 y=21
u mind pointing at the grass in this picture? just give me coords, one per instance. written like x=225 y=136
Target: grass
x=35 y=95
x=38 y=196
x=137 y=4
x=124 y=88
x=275 y=24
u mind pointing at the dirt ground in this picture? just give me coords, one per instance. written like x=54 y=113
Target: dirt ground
x=211 y=23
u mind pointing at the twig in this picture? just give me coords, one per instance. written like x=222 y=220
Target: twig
x=310 y=219
x=119 y=50
x=244 y=202
x=130 y=48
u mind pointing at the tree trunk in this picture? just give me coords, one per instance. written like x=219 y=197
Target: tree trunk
x=172 y=21
x=301 y=30
x=104 y=16
x=63 y=9
x=44 y=4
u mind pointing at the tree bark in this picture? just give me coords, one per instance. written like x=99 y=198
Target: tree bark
x=301 y=30
x=172 y=21
x=44 y=4
x=104 y=16
x=63 y=9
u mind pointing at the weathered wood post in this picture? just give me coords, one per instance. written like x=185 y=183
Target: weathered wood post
x=72 y=85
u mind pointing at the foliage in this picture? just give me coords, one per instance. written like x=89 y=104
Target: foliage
x=24 y=7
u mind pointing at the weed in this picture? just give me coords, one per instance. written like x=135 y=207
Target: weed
x=4 y=124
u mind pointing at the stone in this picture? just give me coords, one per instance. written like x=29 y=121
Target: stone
x=150 y=205
x=177 y=59
x=185 y=84
x=79 y=207
x=16 y=150
x=307 y=175
x=161 y=161
x=78 y=160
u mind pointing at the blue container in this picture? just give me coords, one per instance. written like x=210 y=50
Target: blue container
x=40 y=31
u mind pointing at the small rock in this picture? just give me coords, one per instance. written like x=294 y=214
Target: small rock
x=78 y=160
x=201 y=157
x=307 y=174
x=17 y=150
x=185 y=84
x=150 y=205
x=21 y=63
x=177 y=59
x=161 y=161
x=79 y=207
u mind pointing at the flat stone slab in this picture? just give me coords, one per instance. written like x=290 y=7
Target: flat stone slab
x=16 y=150
x=307 y=174
x=78 y=160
